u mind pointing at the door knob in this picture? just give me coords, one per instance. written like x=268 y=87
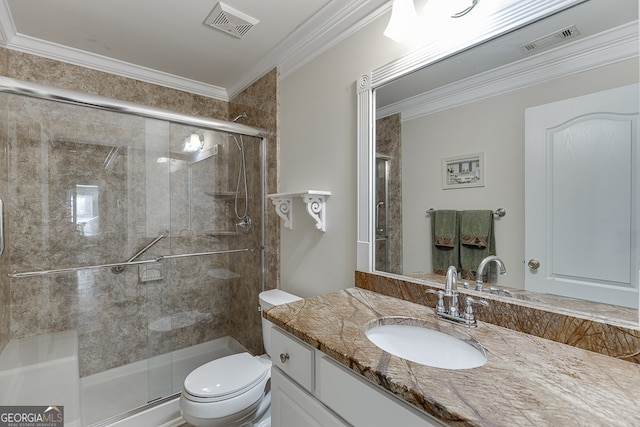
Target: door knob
x=533 y=264
x=284 y=357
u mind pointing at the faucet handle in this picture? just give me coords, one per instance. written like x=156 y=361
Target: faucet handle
x=468 y=311
x=440 y=306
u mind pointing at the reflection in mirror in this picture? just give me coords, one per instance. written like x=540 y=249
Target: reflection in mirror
x=475 y=101
x=388 y=196
x=85 y=209
x=85 y=178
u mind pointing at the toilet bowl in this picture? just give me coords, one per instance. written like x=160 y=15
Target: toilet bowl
x=231 y=391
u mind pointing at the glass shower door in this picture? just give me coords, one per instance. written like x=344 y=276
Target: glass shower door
x=134 y=254
x=81 y=191
x=382 y=213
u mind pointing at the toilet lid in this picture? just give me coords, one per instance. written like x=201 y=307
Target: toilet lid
x=225 y=376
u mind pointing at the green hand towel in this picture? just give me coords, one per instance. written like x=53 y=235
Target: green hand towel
x=477 y=241
x=445 y=228
x=444 y=240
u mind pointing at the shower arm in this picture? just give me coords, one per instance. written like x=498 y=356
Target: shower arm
x=120 y=268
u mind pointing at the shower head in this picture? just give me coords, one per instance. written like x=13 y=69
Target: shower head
x=240 y=116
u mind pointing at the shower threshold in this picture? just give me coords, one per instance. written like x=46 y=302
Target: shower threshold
x=107 y=397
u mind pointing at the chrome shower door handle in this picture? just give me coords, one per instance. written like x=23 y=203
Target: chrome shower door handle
x=1 y=227
x=378 y=206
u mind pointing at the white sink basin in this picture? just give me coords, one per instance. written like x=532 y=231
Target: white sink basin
x=418 y=343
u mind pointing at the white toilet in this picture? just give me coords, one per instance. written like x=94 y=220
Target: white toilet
x=231 y=391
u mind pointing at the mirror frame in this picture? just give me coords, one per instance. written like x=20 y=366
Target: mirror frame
x=514 y=15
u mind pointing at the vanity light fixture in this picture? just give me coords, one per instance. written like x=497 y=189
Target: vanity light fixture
x=404 y=20
x=193 y=143
x=405 y=24
x=465 y=11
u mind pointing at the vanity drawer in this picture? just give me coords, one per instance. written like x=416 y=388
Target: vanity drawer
x=293 y=357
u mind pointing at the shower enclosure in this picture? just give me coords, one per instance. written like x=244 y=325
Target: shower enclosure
x=382 y=212
x=388 y=195
x=133 y=249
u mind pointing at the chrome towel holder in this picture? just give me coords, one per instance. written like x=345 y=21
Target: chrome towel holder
x=498 y=213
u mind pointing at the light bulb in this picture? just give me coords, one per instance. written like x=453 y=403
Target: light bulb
x=403 y=21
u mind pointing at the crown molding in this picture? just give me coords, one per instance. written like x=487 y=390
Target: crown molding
x=596 y=51
x=334 y=23
x=112 y=66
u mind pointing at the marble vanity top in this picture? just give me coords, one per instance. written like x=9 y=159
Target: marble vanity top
x=527 y=380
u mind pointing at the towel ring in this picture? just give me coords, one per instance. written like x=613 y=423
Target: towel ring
x=498 y=213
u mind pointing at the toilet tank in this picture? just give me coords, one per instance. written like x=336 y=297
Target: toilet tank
x=270 y=299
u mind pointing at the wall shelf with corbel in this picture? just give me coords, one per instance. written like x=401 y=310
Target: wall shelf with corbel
x=314 y=199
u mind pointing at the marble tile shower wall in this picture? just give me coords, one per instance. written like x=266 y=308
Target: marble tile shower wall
x=389 y=243
x=113 y=313
x=260 y=102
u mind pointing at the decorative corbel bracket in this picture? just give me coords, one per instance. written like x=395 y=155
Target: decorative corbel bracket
x=283 y=205
x=316 y=206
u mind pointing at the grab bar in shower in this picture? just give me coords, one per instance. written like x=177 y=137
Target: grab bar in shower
x=1 y=227
x=147 y=261
x=120 y=268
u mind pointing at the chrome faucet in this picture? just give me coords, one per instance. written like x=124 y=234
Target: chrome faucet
x=449 y=311
x=451 y=290
x=483 y=264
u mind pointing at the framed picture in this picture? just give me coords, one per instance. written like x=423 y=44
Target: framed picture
x=463 y=171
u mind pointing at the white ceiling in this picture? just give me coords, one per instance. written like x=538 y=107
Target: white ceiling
x=166 y=41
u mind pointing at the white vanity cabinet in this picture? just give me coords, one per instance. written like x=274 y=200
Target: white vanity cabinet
x=308 y=388
x=292 y=406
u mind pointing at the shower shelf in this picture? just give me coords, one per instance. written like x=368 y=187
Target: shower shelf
x=314 y=199
x=222 y=195
x=216 y=233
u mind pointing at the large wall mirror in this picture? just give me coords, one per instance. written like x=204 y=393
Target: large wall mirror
x=480 y=96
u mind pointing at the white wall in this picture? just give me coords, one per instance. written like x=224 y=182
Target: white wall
x=318 y=152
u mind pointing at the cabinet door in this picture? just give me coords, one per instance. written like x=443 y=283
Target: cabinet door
x=291 y=406
x=362 y=403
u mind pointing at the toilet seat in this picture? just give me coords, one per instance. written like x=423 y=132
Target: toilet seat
x=225 y=378
x=225 y=391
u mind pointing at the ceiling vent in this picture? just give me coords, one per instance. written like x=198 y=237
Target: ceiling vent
x=230 y=21
x=551 y=39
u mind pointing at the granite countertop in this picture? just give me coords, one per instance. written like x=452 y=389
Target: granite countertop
x=527 y=380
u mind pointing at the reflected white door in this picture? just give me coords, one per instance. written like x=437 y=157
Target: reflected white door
x=581 y=206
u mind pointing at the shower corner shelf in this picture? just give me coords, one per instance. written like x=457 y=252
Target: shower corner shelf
x=218 y=233
x=222 y=195
x=314 y=199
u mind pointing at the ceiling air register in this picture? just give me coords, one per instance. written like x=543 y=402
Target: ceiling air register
x=230 y=21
